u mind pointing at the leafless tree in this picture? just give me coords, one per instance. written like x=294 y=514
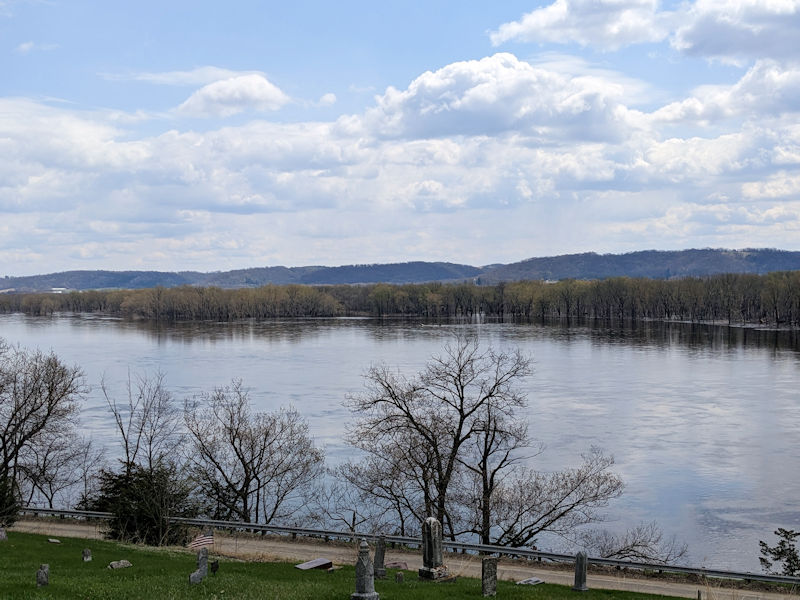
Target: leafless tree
x=147 y=420
x=252 y=465
x=499 y=445
x=535 y=502
x=645 y=542
x=38 y=394
x=53 y=465
x=438 y=412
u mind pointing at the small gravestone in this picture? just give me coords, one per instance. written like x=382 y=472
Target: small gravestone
x=398 y=577
x=397 y=564
x=365 y=575
x=489 y=576
x=3 y=536
x=432 y=562
x=87 y=555
x=202 y=567
x=53 y=541
x=380 y=554
x=214 y=566
x=316 y=563
x=119 y=564
x=202 y=561
x=530 y=581
x=43 y=576
x=580 y=573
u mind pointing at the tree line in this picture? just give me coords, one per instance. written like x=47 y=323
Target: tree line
x=772 y=299
x=450 y=441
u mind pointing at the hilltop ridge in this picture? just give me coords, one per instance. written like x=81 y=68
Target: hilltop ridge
x=655 y=264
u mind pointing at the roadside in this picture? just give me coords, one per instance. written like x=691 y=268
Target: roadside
x=267 y=548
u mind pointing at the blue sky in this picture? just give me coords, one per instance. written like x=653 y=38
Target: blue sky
x=211 y=136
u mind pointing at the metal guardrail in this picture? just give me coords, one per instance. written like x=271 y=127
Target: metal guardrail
x=415 y=541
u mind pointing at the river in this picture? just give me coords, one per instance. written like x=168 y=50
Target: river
x=703 y=421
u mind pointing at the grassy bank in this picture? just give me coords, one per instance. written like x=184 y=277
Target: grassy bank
x=164 y=574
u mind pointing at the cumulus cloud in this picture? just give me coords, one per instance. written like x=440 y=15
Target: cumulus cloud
x=607 y=24
x=231 y=96
x=768 y=88
x=495 y=95
x=740 y=29
x=729 y=30
x=497 y=151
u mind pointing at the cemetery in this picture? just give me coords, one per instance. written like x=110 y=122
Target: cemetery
x=63 y=570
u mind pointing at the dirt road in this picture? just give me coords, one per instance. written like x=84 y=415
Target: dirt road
x=250 y=547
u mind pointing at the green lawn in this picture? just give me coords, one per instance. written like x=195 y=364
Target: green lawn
x=164 y=574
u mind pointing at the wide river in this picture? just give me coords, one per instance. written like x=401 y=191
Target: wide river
x=703 y=421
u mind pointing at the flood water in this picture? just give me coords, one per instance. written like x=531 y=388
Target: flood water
x=703 y=421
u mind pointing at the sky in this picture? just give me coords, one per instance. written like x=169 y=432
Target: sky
x=212 y=136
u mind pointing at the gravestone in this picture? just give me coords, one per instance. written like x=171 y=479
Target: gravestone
x=432 y=562
x=380 y=554
x=489 y=576
x=43 y=576
x=87 y=555
x=3 y=536
x=365 y=575
x=202 y=567
x=580 y=573
x=398 y=577
x=119 y=564
x=202 y=561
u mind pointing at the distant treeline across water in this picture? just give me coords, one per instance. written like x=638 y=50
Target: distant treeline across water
x=772 y=299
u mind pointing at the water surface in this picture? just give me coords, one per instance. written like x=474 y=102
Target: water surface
x=704 y=421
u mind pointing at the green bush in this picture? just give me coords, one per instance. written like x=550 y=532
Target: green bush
x=142 y=501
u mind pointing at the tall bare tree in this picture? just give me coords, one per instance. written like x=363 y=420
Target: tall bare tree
x=39 y=395
x=251 y=465
x=146 y=418
x=436 y=414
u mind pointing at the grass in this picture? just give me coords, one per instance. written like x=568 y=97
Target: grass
x=164 y=574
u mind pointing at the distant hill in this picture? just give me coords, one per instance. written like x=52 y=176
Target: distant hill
x=655 y=264
x=411 y=272
x=649 y=263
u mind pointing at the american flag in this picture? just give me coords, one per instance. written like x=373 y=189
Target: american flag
x=204 y=539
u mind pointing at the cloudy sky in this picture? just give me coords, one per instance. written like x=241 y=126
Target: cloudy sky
x=209 y=136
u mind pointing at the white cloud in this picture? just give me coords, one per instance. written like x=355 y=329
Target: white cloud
x=607 y=24
x=740 y=29
x=231 y=96
x=30 y=46
x=496 y=95
x=198 y=76
x=478 y=161
x=728 y=30
x=328 y=99
x=767 y=88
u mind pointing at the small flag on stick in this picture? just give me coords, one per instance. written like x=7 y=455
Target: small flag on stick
x=204 y=539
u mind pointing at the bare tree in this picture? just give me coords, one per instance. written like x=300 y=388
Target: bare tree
x=53 y=465
x=498 y=446
x=38 y=394
x=252 y=465
x=644 y=542
x=535 y=502
x=439 y=412
x=147 y=420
